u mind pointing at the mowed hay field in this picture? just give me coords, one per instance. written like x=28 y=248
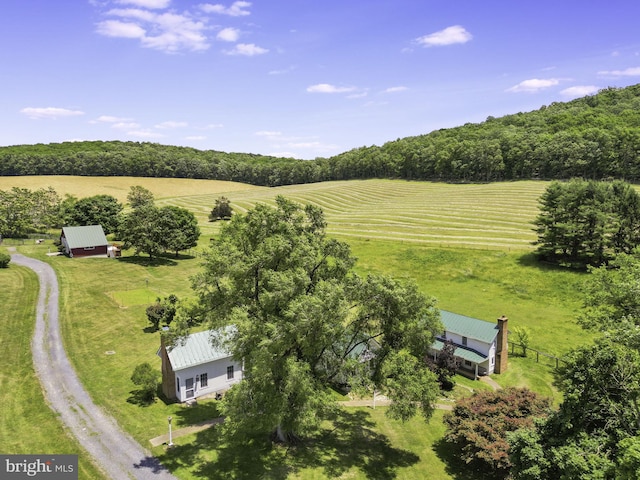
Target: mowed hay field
x=494 y=215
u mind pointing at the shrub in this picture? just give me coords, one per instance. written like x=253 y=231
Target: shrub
x=147 y=379
x=478 y=425
x=5 y=258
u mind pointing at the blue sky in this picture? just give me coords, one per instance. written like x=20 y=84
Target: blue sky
x=298 y=78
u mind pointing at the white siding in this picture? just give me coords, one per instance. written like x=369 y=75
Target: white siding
x=486 y=349
x=216 y=378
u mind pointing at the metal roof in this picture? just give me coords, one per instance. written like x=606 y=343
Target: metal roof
x=462 y=352
x=87 y=236
x=196 y=350
x=469 y=327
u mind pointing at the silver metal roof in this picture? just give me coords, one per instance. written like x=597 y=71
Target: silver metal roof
x=197 y=349
x=86 y=236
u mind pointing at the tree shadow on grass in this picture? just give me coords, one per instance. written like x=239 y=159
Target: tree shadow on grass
x=141 y=398
x=455 y=466
x=350 y=443
x=149 y=262
x=532 y=260
x=204 y=410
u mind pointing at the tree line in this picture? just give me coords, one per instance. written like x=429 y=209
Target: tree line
x=594 y=137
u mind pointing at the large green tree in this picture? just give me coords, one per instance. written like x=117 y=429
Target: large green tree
x=304 y=321
x=139 y=196
x=221 y=210
x=179 y=227
x=141 y=229
x=97 y=210
x=612 y=296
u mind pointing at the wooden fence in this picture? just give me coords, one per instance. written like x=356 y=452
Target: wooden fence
x=525 y=350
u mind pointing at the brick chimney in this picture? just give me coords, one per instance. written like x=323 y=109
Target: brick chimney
x=168 y=375
x=502 y=349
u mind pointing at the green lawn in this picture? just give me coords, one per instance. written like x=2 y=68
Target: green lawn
x=466 y=245
x=361 y=443
x=27 y=425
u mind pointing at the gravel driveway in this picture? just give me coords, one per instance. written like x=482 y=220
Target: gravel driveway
x=115 y=452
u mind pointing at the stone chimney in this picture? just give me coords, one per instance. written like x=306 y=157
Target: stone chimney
x=502 y=348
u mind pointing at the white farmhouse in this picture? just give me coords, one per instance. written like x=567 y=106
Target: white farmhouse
x=481 y=347
x=196 y=368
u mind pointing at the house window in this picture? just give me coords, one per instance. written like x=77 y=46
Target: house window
x=204 y=380
x=89 y=248
x=464 y=341
x=230 y=372
x=467 y=363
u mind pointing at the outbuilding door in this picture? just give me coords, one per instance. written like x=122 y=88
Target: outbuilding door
x=188 y=384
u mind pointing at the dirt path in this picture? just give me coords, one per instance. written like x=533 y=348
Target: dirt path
x=115 y=452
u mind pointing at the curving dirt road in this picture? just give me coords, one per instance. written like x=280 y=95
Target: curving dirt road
x=115 y=452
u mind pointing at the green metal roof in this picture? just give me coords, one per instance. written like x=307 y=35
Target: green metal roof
x=469 y=327
x=461 y=352
x=87 y=236
x=196 y=350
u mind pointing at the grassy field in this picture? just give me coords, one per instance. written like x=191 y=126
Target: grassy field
x=27 y=425
x=495 y=215
x=466 y=245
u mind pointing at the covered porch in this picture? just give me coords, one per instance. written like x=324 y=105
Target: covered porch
x=471 y=363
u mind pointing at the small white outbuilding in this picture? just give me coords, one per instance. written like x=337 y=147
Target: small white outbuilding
x=196 y=368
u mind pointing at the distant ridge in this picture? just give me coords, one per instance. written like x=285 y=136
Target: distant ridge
x=596 y=137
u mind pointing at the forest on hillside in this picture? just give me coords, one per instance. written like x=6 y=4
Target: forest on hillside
x=594 y=137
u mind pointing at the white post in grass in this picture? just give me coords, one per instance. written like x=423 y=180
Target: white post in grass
x=170 y=438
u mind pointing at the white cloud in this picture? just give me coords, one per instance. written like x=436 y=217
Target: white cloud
x=448 y=36
x=111 y=119
x=269 y=134
x=396 y=89
x=170 y=124
x=579 y=91
x=629 y=72
x=328 y=88
x=534 y=85
x=246 y=49
x=147 y=3
x=168 y=32
x=116 y=28
x=237 y=9
x=213 y=126
x=52 y=113
x=228 y=34
x=283 y=71
x=125 y=125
